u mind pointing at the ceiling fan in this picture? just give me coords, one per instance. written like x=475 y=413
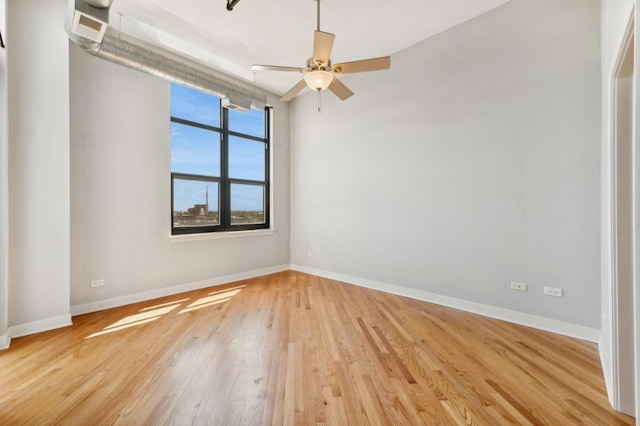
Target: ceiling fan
x=319 y=73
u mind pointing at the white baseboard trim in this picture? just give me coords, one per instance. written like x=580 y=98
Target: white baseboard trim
x=607 y=370
x=39 y=326
x=534 y=321
x=100 y=305
x=5 y=341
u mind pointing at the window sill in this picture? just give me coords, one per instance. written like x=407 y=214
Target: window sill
x=220 y=235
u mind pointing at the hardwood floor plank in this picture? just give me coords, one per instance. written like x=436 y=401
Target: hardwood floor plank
x=292 y=348
x=400 y=365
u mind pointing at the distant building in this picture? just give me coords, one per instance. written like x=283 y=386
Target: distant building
x=200 y=209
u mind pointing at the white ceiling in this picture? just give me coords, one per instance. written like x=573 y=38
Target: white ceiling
x=281 y=32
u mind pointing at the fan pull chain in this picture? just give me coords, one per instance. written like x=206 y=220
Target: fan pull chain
x=319 y=104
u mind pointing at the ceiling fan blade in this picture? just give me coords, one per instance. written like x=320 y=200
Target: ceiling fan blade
x=339 y=89
x=275 y=68
x=374 y=64
x=293 y=91
x=322 y=45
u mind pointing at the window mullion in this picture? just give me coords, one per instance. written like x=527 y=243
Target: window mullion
x=224 y=162
x=267 y=163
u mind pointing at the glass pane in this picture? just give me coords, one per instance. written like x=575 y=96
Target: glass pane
x=247 y=204
x=193 y=105
x=250 y=122
x=195 y=203
x=195 y=151
x=246 y=159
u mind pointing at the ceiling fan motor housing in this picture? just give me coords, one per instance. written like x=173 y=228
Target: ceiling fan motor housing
x=318 y=65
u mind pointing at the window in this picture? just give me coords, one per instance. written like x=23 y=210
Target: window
x=219 y=165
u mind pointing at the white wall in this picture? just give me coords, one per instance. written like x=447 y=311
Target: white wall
x=614 y=18
x=472 y=163
x=37 y=50
x=4 y=188
x=120 y=194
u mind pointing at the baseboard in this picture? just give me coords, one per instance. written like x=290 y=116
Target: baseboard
x=607 y=369
x=100 y=305
x=39 y=326
x=5 y=341
x=534 y=321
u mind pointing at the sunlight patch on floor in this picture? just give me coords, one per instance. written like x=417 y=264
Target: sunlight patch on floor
x=152 y=313
x=142 y=318
x=214 y=298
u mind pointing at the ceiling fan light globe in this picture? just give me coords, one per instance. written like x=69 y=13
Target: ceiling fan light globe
x=318 y=80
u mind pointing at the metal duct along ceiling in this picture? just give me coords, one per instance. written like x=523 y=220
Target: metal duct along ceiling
x=183 y=71
x=124 y=53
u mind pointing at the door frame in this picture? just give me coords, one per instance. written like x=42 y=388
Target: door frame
x=623 y=203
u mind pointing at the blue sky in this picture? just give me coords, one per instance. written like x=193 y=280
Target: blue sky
x=193 y=105
x=196 y=151
x=250 y=122
x=187 y=193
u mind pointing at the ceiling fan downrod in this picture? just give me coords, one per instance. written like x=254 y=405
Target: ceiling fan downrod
x=231 y=4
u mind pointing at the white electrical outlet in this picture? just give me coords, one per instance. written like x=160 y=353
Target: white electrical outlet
x=518 y=286
x=97 y=283
x=552 y=291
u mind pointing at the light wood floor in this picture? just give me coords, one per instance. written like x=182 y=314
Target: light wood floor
x=291 y=348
